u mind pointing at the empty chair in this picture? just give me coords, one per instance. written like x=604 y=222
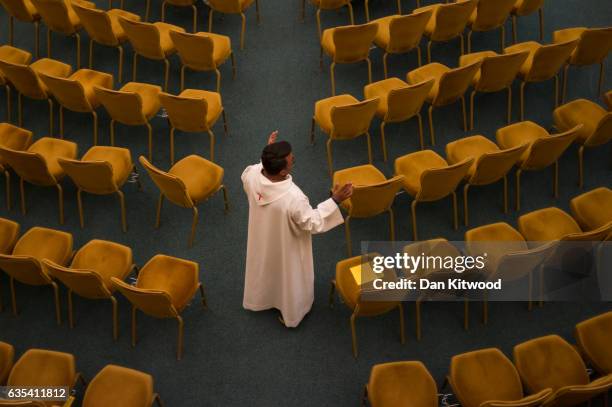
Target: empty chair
x=373 y=194
x=151 y=41
x=428 y=177
x=38 y=165
x=203 y=52
x=17 y=56
x=497 y=72
x=9 y=231
x=551 y=362
x=543 y=151
x=543 y=63
x=193 y=111
x=102 y=170
x=596 y=126
x=347 y=45
x=76 y=94
x=591 y=209
x=232 y=7
x=449 y=87
x=593 y=336
x=24 y=264
x=526 y=7
x=22 y=10
x=135 y=104
x=343 y=118
x=103 y=28
x=401 y=34
x=7 y=355
x=491 y=164
x=180 y=3
x=398 y=383
x=487 y=16
x=164 y=287
x=190 y=181
x=15 y=138
x=90 y=272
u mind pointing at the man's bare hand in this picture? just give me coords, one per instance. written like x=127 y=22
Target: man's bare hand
x=272 y=137
x=341 y=193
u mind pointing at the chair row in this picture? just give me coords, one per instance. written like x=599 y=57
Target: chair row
x=112 y=385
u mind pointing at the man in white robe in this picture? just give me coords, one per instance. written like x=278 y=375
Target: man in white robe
x=279 y=265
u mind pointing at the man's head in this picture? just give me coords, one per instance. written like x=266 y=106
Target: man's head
x=277 y=159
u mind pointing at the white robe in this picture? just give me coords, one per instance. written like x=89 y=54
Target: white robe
x=279 y=265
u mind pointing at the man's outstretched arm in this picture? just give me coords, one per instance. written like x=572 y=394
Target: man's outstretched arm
x=326 y=215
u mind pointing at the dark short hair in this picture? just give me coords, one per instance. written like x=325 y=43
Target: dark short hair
x=274 y=157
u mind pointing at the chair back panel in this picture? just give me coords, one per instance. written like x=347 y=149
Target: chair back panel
x=525 y=7
x=194 y=50
x=491 y=167
x=32 y=167
x=603 y=132
x=491 y=14
x=438 y=183
x=85 y=283
x=226 y=6
x=498 y=72
x=68 y=92
x=55 y=15
x=371 y=200
x=593 y=46
x=24 y=79
x=548 y=60
x=25 y=269
x=454 y=83
x=94 y=177
x=185 y=114
x=351 y=121
x=152 y=302
x=402 y=383
x=144 y=37
x=451 y=19
x=353 y=42
x=405 y=32
x=97 y=23
x=545 y=151
x=169 y=185
x=124 y=107
x=406 y=102
x=18 y=9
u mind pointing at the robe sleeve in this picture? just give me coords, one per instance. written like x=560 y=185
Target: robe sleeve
x=325 y=217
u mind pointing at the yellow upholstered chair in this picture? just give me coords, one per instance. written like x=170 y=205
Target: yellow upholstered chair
x=591 y=209
x=491 y=164
x=103 y=28
x=89 y=275
x=398 y=102
x=428 y=177
x=543 y=63
x=373 y=194
x=203 y=52
x=164 y=287
x=596 y=126
x=24 y=264
x=181 y=3
x=102 y=170
x=543 y=151
x=526 y=7
x=38 y=165
x=9 y=231
x=347 y=45
x=16 y=56
x=190 y=181
x=401 y=383
x=76 y=94
x=349 y=291
x=401 y=34
x=487 y=16
x=26 y=80
x=551 y=362
x=594 y=336
x=193 y=111
x=232 y=7
x=447 y=22
x=135 y=104
x=116 y=385
x=497 y=72
x=60 y=17
x=151 y=41
x=487 y=378
x=22 y=10
x=449 y=87
x=7 y=356
x=343 y=118
x=15 y=138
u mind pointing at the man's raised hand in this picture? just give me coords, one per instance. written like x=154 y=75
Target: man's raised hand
x=272 y=137
x=341 y=193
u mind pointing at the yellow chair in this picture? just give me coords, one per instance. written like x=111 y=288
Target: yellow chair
x=487 y=16
x=349 y=291
x=497 y=72
x=15 y=138
x=60 y=17
x=398 y=102
x=526 y=7
x=401 y=34
x=103 y=28
x=193 y=111
x=596 y=126
x=591 y=209
x=551 y=362
x=487 y=378
x=400 y=383
x=231 y=7
x=343 y=118
x=102 y=170
x=16 y=56
x=449 y=87
x=116 y=385
x=151 y=41
x=76 y=94
x=447 y=22
x=9 y=231
x=22 y=10
x=543 y=150
x=181 y=3
x=347 y=45
x=7 y=356
x=190 y=181
x=24 y=264
x=203 y=52
x=26 y=80
x=543 y=63
x=135 y=104
x=491 y=164
x=373 y=194
x=593 y=337
x=164 y=287
x=428 y=177
x=89 y=275
x=39 y=165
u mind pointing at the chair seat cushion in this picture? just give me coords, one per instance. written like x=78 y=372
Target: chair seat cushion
x=469 y=147
x=165 y=41
x=434 y=71
x=114 y=15
x=15 y=56
x=547 y=224
x=149 y=95
x=324 y=107
x=520 y=133
x=201 y=177
x=222 y=46
x=592 y=209
x=51 y=67
x=120 y=386
x=412 y=165
x=119 y=158
x=381 y=90
x=51 y=149
x=362 y=175
x=576 y=112
x=474 y=57
x=215 y=106
x=529 y=46
x=90 y=78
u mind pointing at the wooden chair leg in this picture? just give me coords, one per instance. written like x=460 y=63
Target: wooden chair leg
x=58 y=314
x=354 y=336
x=179 y=350
x=122 y=207
x=60 y=198
x=160 y=203
x=80 y=207
x=414 y=220
x=70 y=310
x=133 y=326
x=115 y=318
x=194 y=224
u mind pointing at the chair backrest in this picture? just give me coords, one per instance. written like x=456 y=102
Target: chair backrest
x=69 y=93
x=7 y=356
x=451 y=19
x=491 y=14
x=41 y=367
x=13 y=137
x=144 y=37
x=86 y=283
x=185 y=113
x=9 y=230
x=194 y=50
x=545 y=151
x=498 y=72
x=590 y=208
x=353 y=42
x=402 y=383
x=24 y=79
x=593 y=46
x=548 y=60
x=25 y=269
x=516 y=265
x=98 y=25
x=454 y=83
x=32 y=167
x=156 y=303
x=594 y=336
x=226 y=6
x=405 y=32
x=19 y=9
x=171 y=186
x=95 y=177
x=404 y=103
x=525 y=7
x=124 y=107
x=371 y=200
x=602 y=133
x=44 y=243
x=350 y=121
x=547 y=224
x=437 y=183
x=14 y=55
x=55 y=15
x=491 y=167
x=136 y=388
